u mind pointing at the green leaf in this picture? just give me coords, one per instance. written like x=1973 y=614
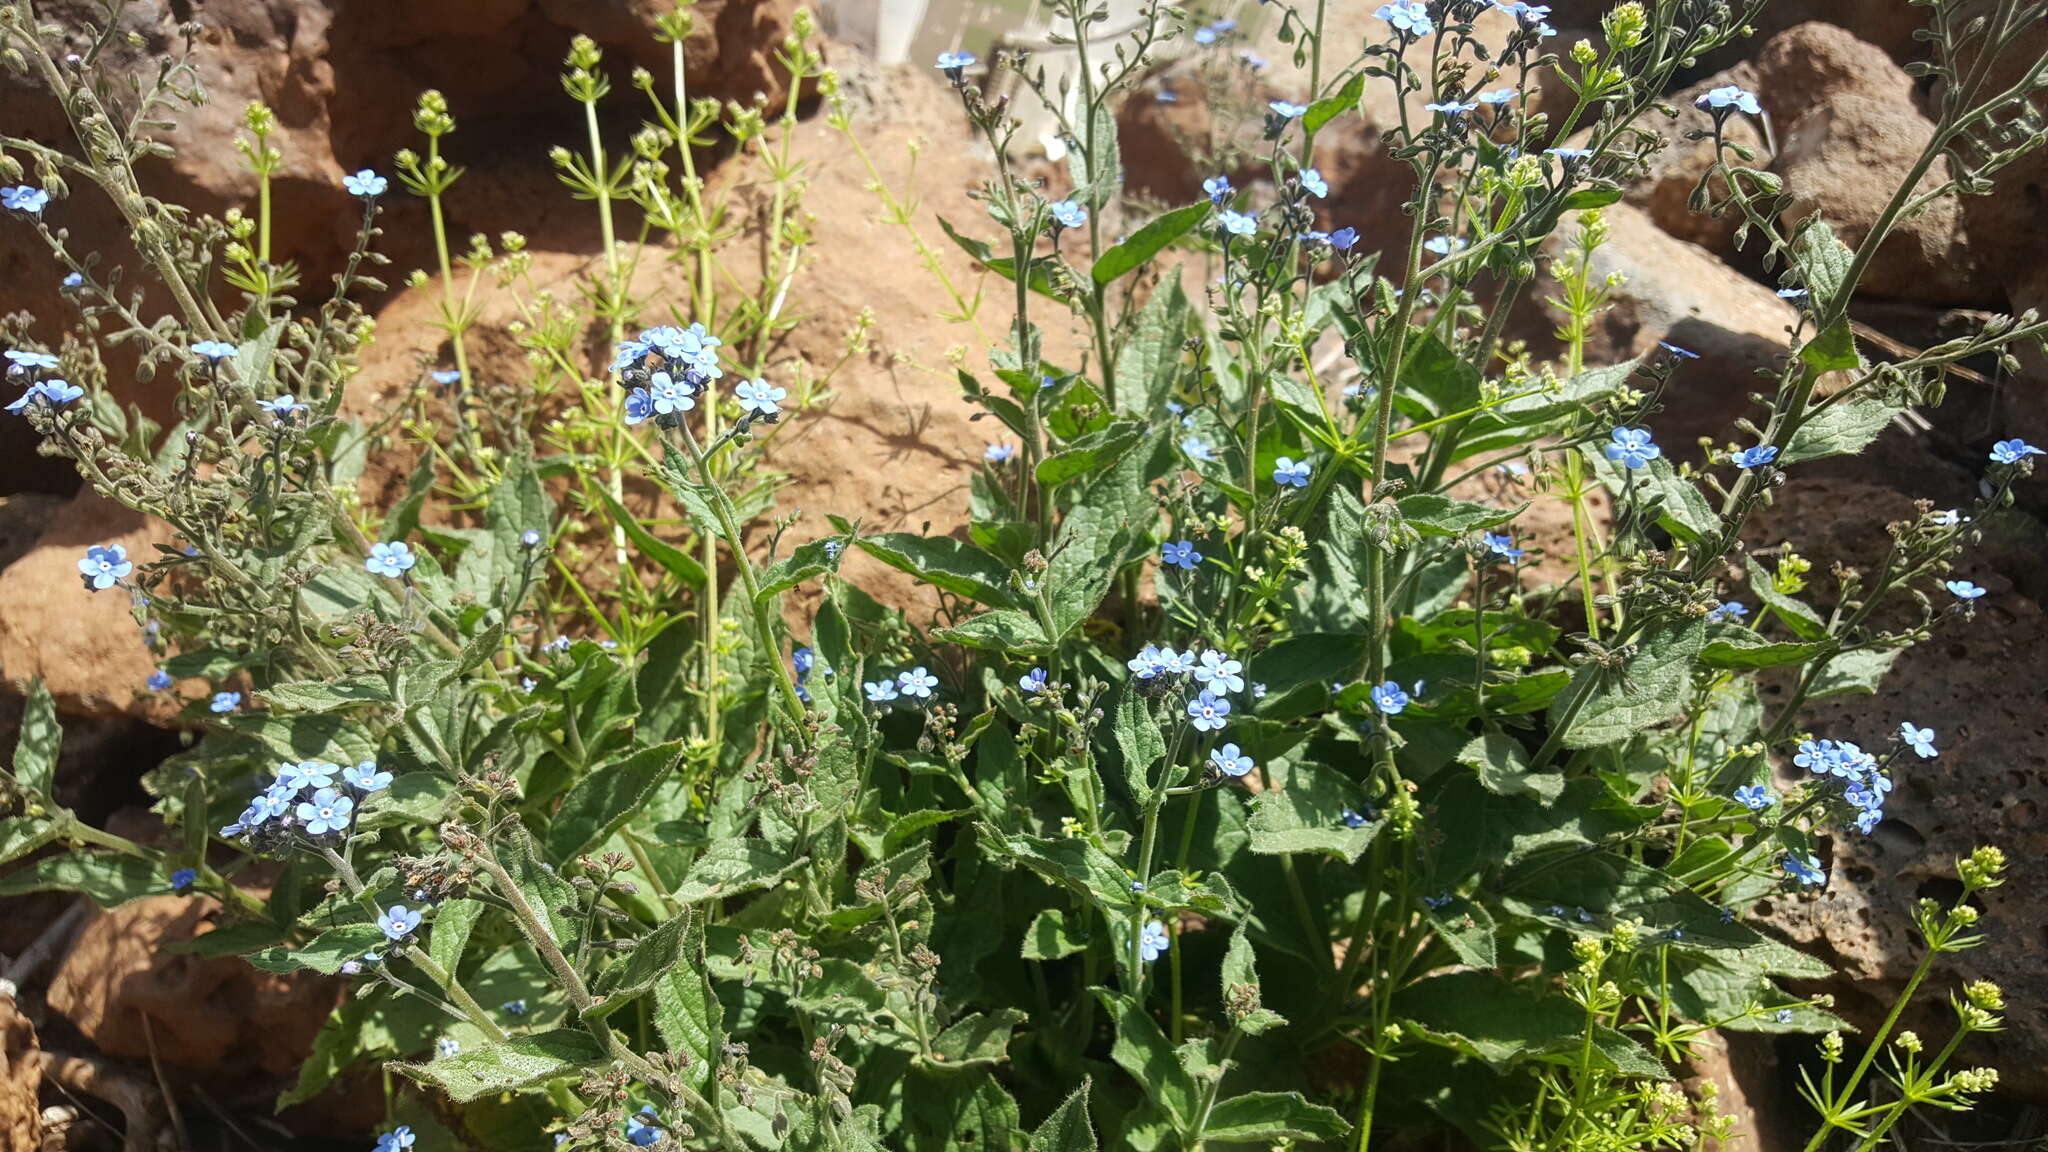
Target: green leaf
x=1307 y=815
x=1741 y=648
x=943 y=562
x=687 y=1011
x=1857 y=672
x=1142 y=1050
x=35 y=752
x=453 y=922
x=1832 y=349
x=1596 y=197
x=1804 y=622
x=657 y=952
x=1262 y=1117
x=1641 y=694
x=808 y=562
x=1240 y=970
x=1480 y=1014
x=672 y=559
x=1150 y=360
x=1067 y=1129
x=1138 y=739
x=542 y=888
x=328 y=695
x=1091 y=453
x=1434 y=515
x=1469 y=930
x=1334 y=105
x=521 y=1062
x=327 y=952
x=110 y=880
x=334 y=1049
x=1681 y=510
x=1003 y=630
x=977 y=1038
x=729 y=867
x=1000 y=265
x=1052 y=935
x=1503 y=767
x=1820 y=261
x=1843 y=428
x=601 y=802
x=1148 y=241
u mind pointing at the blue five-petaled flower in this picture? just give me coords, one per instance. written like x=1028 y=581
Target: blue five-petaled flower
x=159 y=680
x=1920 y=740
x=1389 y=698
x=396 y=1140
x=1207 y=711
x=225 y=701
x=1409 y=17
x=183 y=879
x=1218 y=189
x=1631 y=448
x=917 y=682
x=391 y=558
x=881 y=691
x=1152 y=942
x=1755 y=457
x=1313 y=182
x=1720 y=100
x=1502 y=546
x=1964 y=590
x=1067 y=214
x=1286 y=109
x=643 y=1128
x=1229 y=761
x=1032 y=681
x=398 y=922
x=759 y=397
x=1239 y=223
x=328 y=811
x=365 y=183
x=1806 y=871
x=2013 y=451
x=105 y=565
x=1181 y=554
x=1291 y=473
x=366 y=776
x=1754 y=797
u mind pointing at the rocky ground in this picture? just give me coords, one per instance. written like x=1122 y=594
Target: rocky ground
x=105 y=1008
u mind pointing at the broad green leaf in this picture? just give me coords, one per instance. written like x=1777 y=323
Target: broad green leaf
x=1503 y=767
x=521 y=1062
x=109 y=880
x=1820 y=261
x=1681 y=510
x=1500 y=1022
x=1004 y=630
x=1138 y=739
x=1266 y=1117
x=1741 y=648
x=1436 y=382
x=1240 y=970
x=1150 y=361
x=672 y=559
x=329 y=696
x=1804 y=622
x=1308 y=814
x=327 y=952
x=1148 y=241
x=1469 y=930
x=943 y=562
x=1091 y=453
x=1843 y=428
x=1067 y=1129
x=1644 y=692
x=601 y=802
x=1142 y=1050
x=657 y=952
x=1832 y=349
x=687 y=1011
x=1854 y=673
x=336 y=1046
x=1334 y=105
x=1053 y=935
x=730 y=867
x=35 y=751
x=810 y=561
x=976 y=1038
x=542 y=889
x=1434 y=515
x=453 y=922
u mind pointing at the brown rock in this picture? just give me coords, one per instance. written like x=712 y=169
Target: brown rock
x=1849 y=132
x=21 y=1078
x=84 y=645
x=200 y=1015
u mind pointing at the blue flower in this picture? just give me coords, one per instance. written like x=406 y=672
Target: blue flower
x=881 y=691
x=22 y=198
x=396 y=1140
x=1176 y=663
x=1755 y=457
x=1067 y=214
x=183 y=878
x=366 y=777
x=1754 y=797
x=1207 y=711
x=917 y=682
x=998 y=453
x=639 y=406
x=1963 y=589
x=1032 y=681
x=1451 y=108
x=1497 y=96
x=1719 y=100
x=55 y=393
x=1291 y=473
x=1181 y=554
x=1166 y=96
x=1152 y=942
x=1920 y=740
x=365 y=183
x=1409 y=17
x=1728 y=611
x=1205 y=35
x=1239 y=223
x=1219 y=673
x=397 y=922
x=1502 y=546
x=295 y=778
x=670 y=396
x=1344 y=239
x=446 y=375
x=1229 y=761
x=1198 y=449
x=759 y=397
x=1631 y=448
x=1224 y=25
x=1389 y=698
x=159 y=680
x=1782 y=1015
x=1805 y=871
x=1355 y=819
x=1218 y=189
x=1437 y=903
x=1791 y=293
x=1286 y=110
x=2013 y=451
x=530 y=538
x=328 y=811
x=1675 y=350
x=1146 y=664
x=641 y=1128
x=104 y=566
x=19 y=361
x=954 y=63
x=1569 y=155
x=1444 y=245
x=1314 y=182
x=1251 y=60
x=281 y=407
x=214 y=350
x=448 y=1045
x=392 y=558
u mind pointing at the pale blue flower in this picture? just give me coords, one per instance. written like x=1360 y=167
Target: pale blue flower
x=214 y=350
x=1239 y=223
x=2012 y=451
x=392 y=558
x=1218 y=190
x=282 y=407
x=1754 y=797
x=1344 y=239
x=445 y=376
x=159 y=680
x=881 y=691
x=1755 y=457
x=398 y=922
x=105 y=565
x=1181 y=554
x=1198 y=449
x=954 y=63
x=396 y=1140
x=24 y=199
x=1409 y=17
x=1502 y=546
x=1451 y=108
x=1290 y=472
x=670 y=397
x=225 y=701
x=365 y=183
x=1920 y=740
x=1389 y=698
x=759 y=397
x=1067 y=213
x=1497 y=96
x=1807 y=871
x=1963 y=589
x=1631 y=448
x=1728 y=611
x=1719 y=100
x=1229 y=761
x=1152 y=942
x=1219 y=673
x=998 y=453
x=366 y=777
x=1207 y=711
x=295 y=778
x=1032 y=682
x=1313 y=181
x=1286 y=110
x=328 y=811
x=917 y=682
